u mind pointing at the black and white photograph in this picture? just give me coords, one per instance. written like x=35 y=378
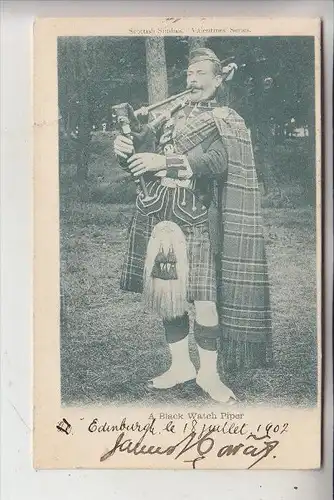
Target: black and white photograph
x=188 y=221
x=166 y=273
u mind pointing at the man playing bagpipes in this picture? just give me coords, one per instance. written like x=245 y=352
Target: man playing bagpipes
x=197 y=235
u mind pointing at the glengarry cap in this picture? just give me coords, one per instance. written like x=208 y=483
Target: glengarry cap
x=202 y=54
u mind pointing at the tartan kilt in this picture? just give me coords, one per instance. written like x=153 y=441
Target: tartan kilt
x=201 y=282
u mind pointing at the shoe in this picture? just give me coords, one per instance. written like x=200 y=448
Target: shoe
x=182 y=369
x=208 y=378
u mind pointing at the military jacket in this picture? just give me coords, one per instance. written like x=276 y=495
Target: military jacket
x=195 y=157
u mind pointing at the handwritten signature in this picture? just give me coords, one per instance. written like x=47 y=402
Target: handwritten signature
x=202 y=445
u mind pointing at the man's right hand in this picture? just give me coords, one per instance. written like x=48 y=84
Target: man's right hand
x=123 y=146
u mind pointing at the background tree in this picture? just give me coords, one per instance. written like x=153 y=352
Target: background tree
x=89 y=82
x=273 y=85
x=79 y=105
x=156 y=69
x=196 y=42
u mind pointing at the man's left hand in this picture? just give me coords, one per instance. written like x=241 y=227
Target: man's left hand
x=140 y=163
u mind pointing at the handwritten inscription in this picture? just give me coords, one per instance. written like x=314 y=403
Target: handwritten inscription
x=193 y=437
x=122 y=426
x=202 y=446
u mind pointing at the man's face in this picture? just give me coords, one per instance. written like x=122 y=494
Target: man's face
x=200 y=76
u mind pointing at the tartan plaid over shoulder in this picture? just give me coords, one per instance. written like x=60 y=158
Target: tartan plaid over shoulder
x=245 y=302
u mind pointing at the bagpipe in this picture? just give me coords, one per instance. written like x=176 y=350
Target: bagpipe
x=130 y=122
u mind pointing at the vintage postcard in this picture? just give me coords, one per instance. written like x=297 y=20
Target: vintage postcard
x=177 y=278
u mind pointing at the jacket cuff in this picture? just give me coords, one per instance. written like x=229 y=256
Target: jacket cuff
x=177 y=167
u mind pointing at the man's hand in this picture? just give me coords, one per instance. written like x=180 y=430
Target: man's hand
x=123 y=146
x=141 y=163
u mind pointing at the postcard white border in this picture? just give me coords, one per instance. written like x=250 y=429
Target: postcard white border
x=17 y=281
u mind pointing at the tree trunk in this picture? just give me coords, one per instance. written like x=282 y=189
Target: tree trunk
x=156 y=69
x=264 y=153
x=84 y=126
x=197 y=42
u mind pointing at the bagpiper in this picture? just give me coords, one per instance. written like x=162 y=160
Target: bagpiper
x=198 y=237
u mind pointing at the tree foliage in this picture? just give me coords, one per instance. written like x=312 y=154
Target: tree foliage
x=113 y=70
x=274 y=84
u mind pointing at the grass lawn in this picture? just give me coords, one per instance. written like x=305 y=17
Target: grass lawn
x=110 y=346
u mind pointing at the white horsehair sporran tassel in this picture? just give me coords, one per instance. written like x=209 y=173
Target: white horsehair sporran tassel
x=166 y=297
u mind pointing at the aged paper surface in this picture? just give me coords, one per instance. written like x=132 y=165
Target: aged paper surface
x=96 y=346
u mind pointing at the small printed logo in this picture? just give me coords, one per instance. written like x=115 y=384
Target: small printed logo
x=64 y=426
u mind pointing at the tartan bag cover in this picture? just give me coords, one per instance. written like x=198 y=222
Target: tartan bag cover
x=244 y=305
